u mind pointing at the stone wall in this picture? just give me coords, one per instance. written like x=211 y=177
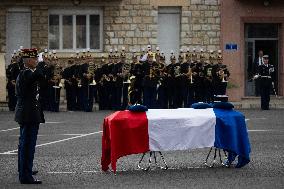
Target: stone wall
x=2 y=29
x=39 y=27
x=134 y=24
x=200 y=25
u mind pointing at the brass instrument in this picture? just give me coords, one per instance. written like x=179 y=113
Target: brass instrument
x=91 y=72
x=177 y=71
x=189 y=75
x=209 y=72
x=221 y=74
x=57 y=75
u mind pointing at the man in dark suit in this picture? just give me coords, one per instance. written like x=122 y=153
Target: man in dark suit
x=28 y=114
x=258 y=61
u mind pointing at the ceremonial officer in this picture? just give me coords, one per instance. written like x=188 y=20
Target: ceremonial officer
x=28 y=114
x=266 y=73
x=12 y=73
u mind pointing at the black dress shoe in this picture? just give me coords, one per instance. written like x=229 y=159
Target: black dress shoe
x=35 y=181
x=34 y=172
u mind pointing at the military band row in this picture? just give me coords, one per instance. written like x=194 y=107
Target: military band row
x=115 y=82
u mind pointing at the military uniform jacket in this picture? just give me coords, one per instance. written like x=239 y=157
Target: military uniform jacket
x=266 y=72
x=12 y=73
x=28 y=108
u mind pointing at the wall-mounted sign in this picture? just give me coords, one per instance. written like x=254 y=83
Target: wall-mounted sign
x=231 y=46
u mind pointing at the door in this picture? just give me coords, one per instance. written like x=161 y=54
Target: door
x=169 y=30
x=18 y=30
x=260 y=37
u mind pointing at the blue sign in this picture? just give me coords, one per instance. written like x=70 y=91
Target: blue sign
x=231 y=46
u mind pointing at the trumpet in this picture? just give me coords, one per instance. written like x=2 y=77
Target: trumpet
x=221 y=73
x=189 y=75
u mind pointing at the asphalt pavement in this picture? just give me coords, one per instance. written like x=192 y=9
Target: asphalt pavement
x=69 y=152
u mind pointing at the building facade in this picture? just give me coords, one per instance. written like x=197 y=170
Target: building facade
x=237 y=27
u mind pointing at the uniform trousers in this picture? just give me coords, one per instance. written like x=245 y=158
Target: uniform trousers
x=26 y=150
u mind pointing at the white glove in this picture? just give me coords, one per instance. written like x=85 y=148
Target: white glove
x=256 y=76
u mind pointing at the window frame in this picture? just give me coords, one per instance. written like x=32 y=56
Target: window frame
x=74 y=12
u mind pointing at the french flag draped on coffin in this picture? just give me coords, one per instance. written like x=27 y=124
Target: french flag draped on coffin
x=126 y=132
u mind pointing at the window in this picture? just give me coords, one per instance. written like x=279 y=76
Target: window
x=77 y=29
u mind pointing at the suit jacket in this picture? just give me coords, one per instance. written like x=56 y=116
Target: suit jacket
x=255 y=65
x=28 y=109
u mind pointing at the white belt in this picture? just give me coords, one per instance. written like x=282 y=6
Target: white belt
x=265 y=76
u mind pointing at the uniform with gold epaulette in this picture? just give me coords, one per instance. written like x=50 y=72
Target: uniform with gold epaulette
x=150 y=81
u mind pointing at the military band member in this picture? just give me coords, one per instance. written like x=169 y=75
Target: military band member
x=150 y=81
x=184 y=81
x=163 y=83
x=266 y=73
x=70 y=84
x=208 y=80
x=200 y=89
x=43 y=65
x=28 y=114
x=136 y=81
x=171 y=80
x=98 y=78
x=87 y=88
x=223 y=75
x=54 y=86
x=117 y=72
x=12 y=73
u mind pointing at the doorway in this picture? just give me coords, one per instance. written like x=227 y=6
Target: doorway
x=169 y=30
x=18 y=29
x=260 y=37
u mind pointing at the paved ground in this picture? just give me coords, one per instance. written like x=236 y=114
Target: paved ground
x=73 y=160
